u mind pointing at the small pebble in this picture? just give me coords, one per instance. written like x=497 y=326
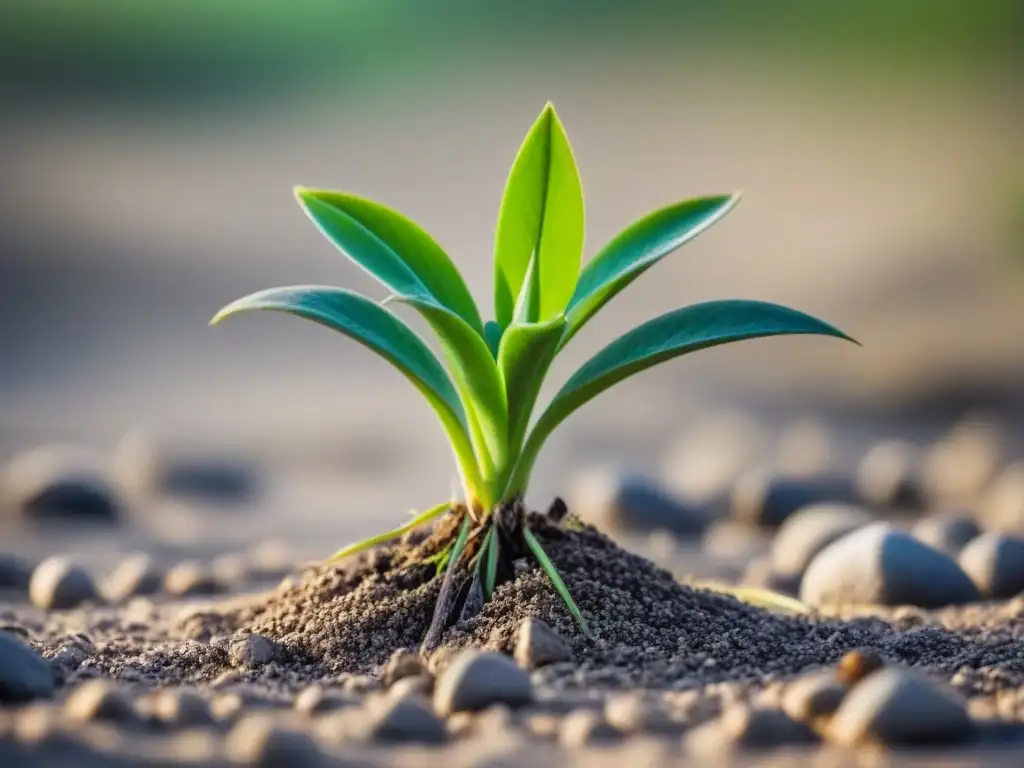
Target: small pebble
x=24 y=674
x=813 y=696
x=60 y=482
x=633 y=713
x=809 y=530
x=766 y=499
x=475 y=680
x=537 y=645
x=898 y=706
x=59 y=584
x=880 y=565
x=181 y=709
x=407 y=721
x=134 y=576
x=15 y=573
x=257 y=741
x=889 y=476
x=857 y=664
x=361 y=684
x=995 y=562
x=741 y=727
x=960 y=465
x=315 y=700
x=190 y=579
x=1003 y=506
x=99 y=700
x=402 y=663
x=633 y=503
x=947 y=533
x=417 y=686
x=253 y=651
x=585 y=727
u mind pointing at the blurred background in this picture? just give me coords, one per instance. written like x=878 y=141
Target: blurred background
x=148 y=151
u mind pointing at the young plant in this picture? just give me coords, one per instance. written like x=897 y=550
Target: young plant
x=542 y=298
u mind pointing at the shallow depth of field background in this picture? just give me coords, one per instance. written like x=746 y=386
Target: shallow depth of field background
x=148 y=150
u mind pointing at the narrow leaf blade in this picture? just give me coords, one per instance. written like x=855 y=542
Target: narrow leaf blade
x=541 y=213
x=636 y=249
x=383 y=538
x=378 y=329
x=673 y=334
x=524 y=357
x=476 y=376
x=392 y=248
x=556 y=579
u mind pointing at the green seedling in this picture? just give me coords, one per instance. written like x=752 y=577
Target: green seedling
x=543 y=295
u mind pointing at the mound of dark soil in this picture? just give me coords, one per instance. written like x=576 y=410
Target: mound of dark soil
x=649 y=629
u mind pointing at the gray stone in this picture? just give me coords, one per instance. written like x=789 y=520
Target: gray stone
x=257 y=741
x=880 y=565
x=1003 y=506
x=634 y=713
x=181 y=709
x=808 y=531
x=766 y=499
x=59 y=584
x=585 y=727
x=24 y=674
x=190 y=579
x=15 y=573
x=407 y=721
x=537 y=645
x=742 y=727
x=402 y=663
x=813 y=696
x=60 y=482
x=889 y=476
x=900 y=706
x=948 y=533
x=475 y=680
x=633 y=503
x=995 y=563
x=99 y=700
x=253 y=651
x=134 y=576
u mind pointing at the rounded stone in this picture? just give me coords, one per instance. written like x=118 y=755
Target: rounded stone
x=889 y=476
x=475 y=680
x=190 y=579
x=743 y=727
x=406 y=721
x=402 y=663
x=898 y=706
x=1003 y=507
x=134 y=576
x=60 y=482
x=808 y=531
x=253 y=651
x=538 y=645
x=960 y=465
x=257 y=741
x=765 y=498
x=59 y=584
x=947 y=533
x=15 y=573
x=99 y=700
x=634 y=713
x=880 y=565
x=24 y=674
x=181 y=709
x=857 y=664
x=315 y=699
x=633 y=503
x=813 y=696
x=995 y=562
x=585 y=727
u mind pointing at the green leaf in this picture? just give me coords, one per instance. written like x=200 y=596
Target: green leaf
x=491 y=547
x=636 y=249
x=383 y=538
x=476 y=377
x=392 y=248
x=556 y=579
x=663 y=338
x=492 y=335
x=541 y=213
x=524 y=357
x=378 y=329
